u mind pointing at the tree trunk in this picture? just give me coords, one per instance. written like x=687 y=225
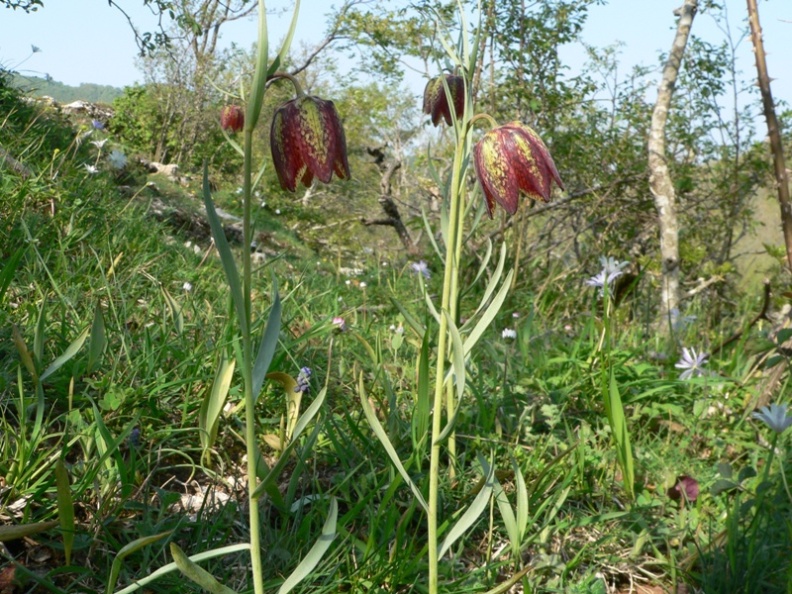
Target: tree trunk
x=782 y=180
x=659 y=179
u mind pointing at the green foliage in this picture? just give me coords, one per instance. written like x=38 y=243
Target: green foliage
x=35 y=86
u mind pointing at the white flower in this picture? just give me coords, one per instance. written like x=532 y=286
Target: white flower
x=347 y=282
x=399 y=329
x=117 y=159
x=421 y=268
x=611 y=270
x=239 y=190
x=277 y=211
x=363 y=285
x=91 y=169
x=99 y=143
x=187 y=286
x=508 y=333
x=775 y=416
x=692 y=363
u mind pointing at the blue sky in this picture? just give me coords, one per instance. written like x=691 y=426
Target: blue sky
x=87 y=41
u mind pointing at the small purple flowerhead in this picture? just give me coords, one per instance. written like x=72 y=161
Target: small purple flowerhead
x=339 y=324
x=97 y=125
x=685 y=489
x=510 y=160
x=307 y=140
x=435 y=101
x=303 y=380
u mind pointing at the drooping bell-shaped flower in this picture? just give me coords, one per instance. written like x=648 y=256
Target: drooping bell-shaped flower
x=435 y=101
x=512 y=159
x=232 y=118
x=307 y=141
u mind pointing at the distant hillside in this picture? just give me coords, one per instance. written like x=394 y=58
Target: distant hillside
x=39 y=87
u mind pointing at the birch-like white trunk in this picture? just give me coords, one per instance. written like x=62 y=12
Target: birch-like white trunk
x=660 y=182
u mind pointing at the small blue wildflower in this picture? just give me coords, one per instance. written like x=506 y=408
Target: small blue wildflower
x=303 y=380
x=775 y=416
x=97 y=125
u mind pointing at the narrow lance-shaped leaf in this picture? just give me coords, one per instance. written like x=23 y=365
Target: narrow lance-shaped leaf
x=311 y=560
x=226 y=256
x=269 y=342
x=472 y=513
x=386 y=443
x=197 y=574
x=128 y=549
x=65 y=508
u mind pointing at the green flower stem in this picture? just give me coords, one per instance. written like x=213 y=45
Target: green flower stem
x=449 y=299
x=278 y=75
x=247 y=367
x=457 y=182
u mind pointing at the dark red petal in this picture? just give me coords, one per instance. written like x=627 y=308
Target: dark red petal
x=494 y=170
x=286 y=157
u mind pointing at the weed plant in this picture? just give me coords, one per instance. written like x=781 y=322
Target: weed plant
x=115 y=333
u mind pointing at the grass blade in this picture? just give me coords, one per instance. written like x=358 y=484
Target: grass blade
x=226 y=256
x=70 y=351
x=213 y=402
x=489 y=314
x=472 y=513
x=165 y=569
x=311 y=560
x=128 y=549
x=98 y=342
x=8 y=533
x=386 y=443
x=269 y=342
x=65 y=508
x=195 y=573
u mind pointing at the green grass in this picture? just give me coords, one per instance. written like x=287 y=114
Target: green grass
x=122 y=413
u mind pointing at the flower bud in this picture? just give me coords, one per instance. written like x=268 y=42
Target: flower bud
x=232 y=118
x=435 y=101
x=307 y=141
x=511 y=159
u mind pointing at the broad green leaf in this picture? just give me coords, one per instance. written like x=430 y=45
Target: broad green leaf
x=8 y=533
x=472 y=513
x=311 y=560
x=65 y=508
x=213 y=403
x=70 y=351
x=197 y=574
x=373 y=421
x=489 y=314
x=98 y=342
x=226 y=256
x=128 y=549
x=269 y=342
x=165 y=569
